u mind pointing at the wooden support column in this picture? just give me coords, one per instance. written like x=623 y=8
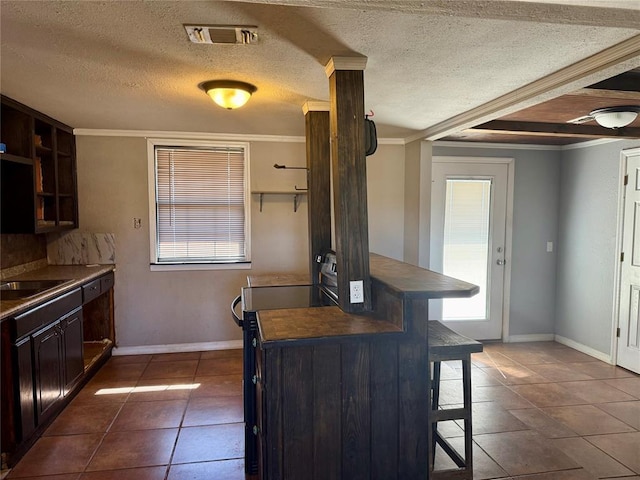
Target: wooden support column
x=346 y=88
x=316 y=117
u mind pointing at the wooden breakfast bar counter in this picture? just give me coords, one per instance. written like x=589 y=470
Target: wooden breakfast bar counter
x=345 y=396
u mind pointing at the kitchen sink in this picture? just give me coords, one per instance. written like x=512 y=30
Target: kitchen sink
x=19 y=289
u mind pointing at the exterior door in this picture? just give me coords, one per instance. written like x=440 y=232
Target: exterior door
x=629 y=323
x=469 y=206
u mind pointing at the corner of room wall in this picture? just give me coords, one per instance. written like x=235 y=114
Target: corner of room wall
x=417 y=202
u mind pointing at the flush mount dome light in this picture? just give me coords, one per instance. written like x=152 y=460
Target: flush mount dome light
x=228 y=94
x=615 y=117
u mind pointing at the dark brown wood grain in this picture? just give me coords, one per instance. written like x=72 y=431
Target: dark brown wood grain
x=322 y=324
x=327 y=451
x=414 y=281
x=297 y=411
x=273 y=434
x=346 y=88
x=319 y=186
x=356 y=412
x=384 y=410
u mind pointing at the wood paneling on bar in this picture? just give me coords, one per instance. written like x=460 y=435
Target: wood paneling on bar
x=346 y=88
x=317 y=134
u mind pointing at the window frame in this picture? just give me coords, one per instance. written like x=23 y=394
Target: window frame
x=152 y=143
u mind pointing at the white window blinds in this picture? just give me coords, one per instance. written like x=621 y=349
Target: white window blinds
x=200 y=205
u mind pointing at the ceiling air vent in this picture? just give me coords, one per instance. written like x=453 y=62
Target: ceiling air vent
x=222 y=34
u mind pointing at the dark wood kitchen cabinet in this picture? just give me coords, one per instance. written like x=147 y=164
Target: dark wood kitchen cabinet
x=39 y=190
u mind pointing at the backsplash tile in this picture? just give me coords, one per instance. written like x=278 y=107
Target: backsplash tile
x=78 y=248
x=20 y=249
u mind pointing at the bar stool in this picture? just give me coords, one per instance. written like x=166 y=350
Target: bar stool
x=445 y=344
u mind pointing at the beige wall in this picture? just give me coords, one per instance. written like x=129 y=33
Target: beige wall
x=177 y=307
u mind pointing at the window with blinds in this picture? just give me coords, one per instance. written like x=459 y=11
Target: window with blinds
x=201 y=205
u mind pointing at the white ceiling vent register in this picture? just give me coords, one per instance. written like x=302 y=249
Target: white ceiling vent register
x=216 y=34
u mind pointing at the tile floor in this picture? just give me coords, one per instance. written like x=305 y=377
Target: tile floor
x=542 y=411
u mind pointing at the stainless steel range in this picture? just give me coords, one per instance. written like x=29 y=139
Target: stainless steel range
x=251 y=300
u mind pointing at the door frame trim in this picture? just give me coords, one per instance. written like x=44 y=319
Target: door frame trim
x=508 y=237
x=617 y=274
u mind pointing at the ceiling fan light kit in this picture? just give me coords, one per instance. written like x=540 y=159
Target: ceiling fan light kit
x=615 y=117
x=229 y=94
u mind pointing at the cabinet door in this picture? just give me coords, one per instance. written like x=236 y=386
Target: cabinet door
x=26 y=402
x=71 y=327
x=47 y=354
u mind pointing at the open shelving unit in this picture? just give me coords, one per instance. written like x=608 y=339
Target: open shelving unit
x=39 y=188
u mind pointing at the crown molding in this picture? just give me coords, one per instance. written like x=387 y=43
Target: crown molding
x=496 y=146
x=216 y=137
x=315 y=106
x=188 y=135
x=345 y=63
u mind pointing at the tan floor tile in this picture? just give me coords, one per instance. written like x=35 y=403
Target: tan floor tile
x=489 y=417
x=237 y=353
x=600 y=370
x=219 y=385
x=539 y=421
x=220 y=366
x=628 y=412
x=213 y=442
x=558 y=372
x=175 y=369
x=587 y=420
x=490 y=359
x=144 y=473
x=124 y=359
x=529 y=357
x=149 y=415
x=450 y=429
x=597 y=391
x=64 y=476
x=515 y=375
x=153 y=389
x=214 y=411
x=84 y=418
x=591 y=458
x=104 y=391
x=54 y=455
x=501 y=395
x=627 y=385
x=141 y=448
x=525 y=452
x=483 y=466
x=175 y=357
x=569 y=355
x=548 y=394
x=579 y=474
x=120 y=371
x=624 y=447
x=222 y=469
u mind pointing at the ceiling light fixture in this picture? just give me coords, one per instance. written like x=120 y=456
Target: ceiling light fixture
x=615 y=117
x=228 y=94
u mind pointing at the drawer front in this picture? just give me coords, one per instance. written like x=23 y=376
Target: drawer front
x=48 y=312
x=91 y=290
x=106 y=282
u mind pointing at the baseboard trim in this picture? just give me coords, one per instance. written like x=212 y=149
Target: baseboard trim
x=584 y=349
x=177 y=348
x=534 y=337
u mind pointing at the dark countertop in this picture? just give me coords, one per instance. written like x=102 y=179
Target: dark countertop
x=317 y=324
x=79 y=274
x=417 y=282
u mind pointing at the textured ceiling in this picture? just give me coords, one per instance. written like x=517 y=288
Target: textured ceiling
x=129 y=64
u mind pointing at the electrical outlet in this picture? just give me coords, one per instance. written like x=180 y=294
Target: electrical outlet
x=356 y=291
x=137 y=223
x=549 y=247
